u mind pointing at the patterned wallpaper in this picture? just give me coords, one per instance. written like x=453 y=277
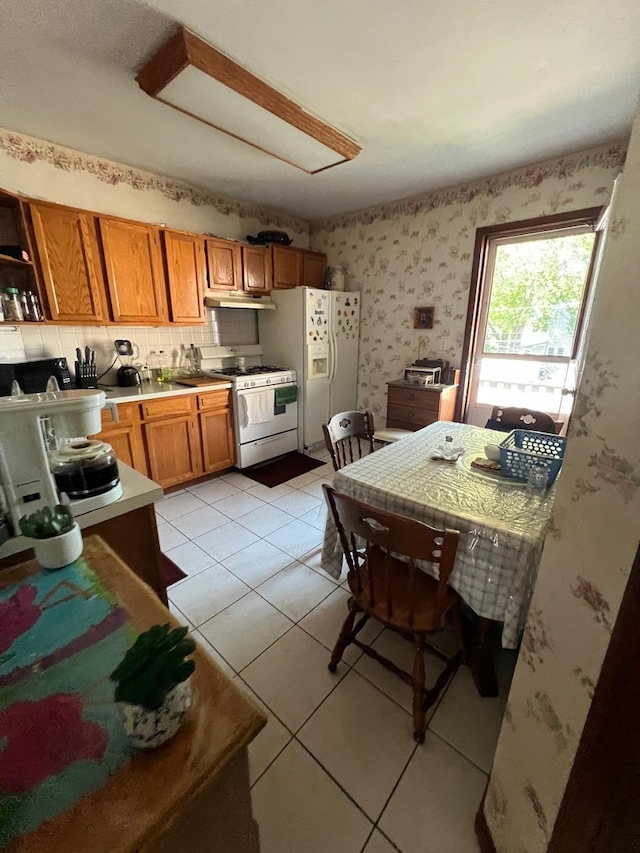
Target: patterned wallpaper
x=418 y=252
x=587 y=557
x=49 y=171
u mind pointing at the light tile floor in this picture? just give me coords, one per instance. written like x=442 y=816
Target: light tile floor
x=336 y=768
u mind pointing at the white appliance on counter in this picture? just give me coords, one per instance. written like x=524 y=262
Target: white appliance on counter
x=263 y=429
x=316 y=331
x=29 y=425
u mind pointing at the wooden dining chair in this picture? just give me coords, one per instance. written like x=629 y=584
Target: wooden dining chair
x=397 y=593
x=347 y=435
x=508 y=418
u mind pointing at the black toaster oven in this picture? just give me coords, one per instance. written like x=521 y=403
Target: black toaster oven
x=32 y=376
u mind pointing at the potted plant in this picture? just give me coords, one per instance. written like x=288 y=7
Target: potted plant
x=57 y=540
x=153 y=686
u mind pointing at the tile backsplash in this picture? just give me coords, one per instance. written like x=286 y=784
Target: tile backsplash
x=225 y=326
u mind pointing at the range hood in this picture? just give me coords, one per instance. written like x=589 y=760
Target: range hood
x=236 y=299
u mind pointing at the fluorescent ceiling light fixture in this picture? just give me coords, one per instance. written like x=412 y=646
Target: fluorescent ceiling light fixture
x=188 y=74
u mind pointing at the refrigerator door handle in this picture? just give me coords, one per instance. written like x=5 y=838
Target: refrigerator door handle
x=333 y=353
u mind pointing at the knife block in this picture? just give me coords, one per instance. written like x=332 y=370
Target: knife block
x=86 y=381
x=87 y=376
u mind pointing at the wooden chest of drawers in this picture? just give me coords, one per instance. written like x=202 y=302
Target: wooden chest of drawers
x=414 y=406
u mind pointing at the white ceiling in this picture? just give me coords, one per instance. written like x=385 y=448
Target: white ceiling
x=435 y=92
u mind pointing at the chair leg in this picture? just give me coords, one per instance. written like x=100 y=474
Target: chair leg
x=345 y=637
x=419 y=715
x=457 y=627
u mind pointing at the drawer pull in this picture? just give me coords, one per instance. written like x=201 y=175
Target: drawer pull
x=412 y=396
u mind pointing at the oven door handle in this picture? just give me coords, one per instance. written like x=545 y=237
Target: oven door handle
x=268 y=439
x=241 y=392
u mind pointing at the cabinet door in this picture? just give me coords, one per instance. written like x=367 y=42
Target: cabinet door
x=186 y=273
x=128 y=446
x=314 y=266
x=287 y=267
x=256 y=269
x=135 y=277
x=67 y=246
x=173 y=450
x=224 y=265
x=218 y=449
x=125 y=436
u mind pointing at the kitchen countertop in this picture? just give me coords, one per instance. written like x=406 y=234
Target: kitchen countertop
x=154 y=390
x=138 y=491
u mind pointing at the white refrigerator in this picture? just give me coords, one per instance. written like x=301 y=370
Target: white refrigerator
x=315 y=332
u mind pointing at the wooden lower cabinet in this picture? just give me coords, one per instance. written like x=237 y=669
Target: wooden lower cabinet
x=173 y=450
x=413 y=406
x=128 y=446
x=175 y=438
x=125 y=436
x=216 y=430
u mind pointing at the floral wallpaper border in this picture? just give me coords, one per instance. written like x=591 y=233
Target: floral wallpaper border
x=612 y=156
x=27 y=149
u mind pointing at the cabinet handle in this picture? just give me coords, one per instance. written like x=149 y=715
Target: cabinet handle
x=411 y=397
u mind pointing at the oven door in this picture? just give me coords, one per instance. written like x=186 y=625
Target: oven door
x=284 y=418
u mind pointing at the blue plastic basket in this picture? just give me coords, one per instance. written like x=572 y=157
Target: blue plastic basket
x=524 y=449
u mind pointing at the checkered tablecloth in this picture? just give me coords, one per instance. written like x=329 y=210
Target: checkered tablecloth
x=502 y=526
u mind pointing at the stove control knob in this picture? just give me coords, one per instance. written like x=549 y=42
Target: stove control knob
x=252 y=384
x=268 y=382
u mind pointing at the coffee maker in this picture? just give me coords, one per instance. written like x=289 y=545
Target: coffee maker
x=34 y=430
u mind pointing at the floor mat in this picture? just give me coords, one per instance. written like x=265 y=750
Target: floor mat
x=169 y=572
x=277 y=472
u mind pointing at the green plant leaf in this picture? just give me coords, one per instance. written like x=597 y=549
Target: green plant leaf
x=47 y=522
x=153 y=666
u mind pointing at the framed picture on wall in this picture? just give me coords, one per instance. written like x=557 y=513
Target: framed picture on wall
x=423 y=318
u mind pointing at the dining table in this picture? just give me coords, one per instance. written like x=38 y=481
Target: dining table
x=502 y=525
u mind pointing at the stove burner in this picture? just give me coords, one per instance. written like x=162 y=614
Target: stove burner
x=250 y=371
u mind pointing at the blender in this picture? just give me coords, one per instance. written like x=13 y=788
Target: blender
x=128 y=375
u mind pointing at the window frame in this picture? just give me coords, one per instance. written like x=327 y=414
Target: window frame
x=589 y=218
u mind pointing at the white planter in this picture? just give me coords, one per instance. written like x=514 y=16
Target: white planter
x=59 y=551
x=149 y=729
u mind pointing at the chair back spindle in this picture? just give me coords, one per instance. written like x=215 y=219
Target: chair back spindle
x=385 y=565
x=349 y=436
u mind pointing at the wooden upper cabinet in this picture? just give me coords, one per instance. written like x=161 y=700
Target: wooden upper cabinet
x=69 y=255
x=186 y=274
x=135 y=275
x=314 y=266
x=224 y=264
x=256 y=269
x=287 y=267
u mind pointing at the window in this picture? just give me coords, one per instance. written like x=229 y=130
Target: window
x=527 y=305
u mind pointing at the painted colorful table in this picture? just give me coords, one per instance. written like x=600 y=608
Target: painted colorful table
x=68 y=778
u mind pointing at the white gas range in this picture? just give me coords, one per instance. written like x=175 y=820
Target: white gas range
x=265 y=407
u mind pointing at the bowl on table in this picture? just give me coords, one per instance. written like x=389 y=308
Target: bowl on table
x=492 y=452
